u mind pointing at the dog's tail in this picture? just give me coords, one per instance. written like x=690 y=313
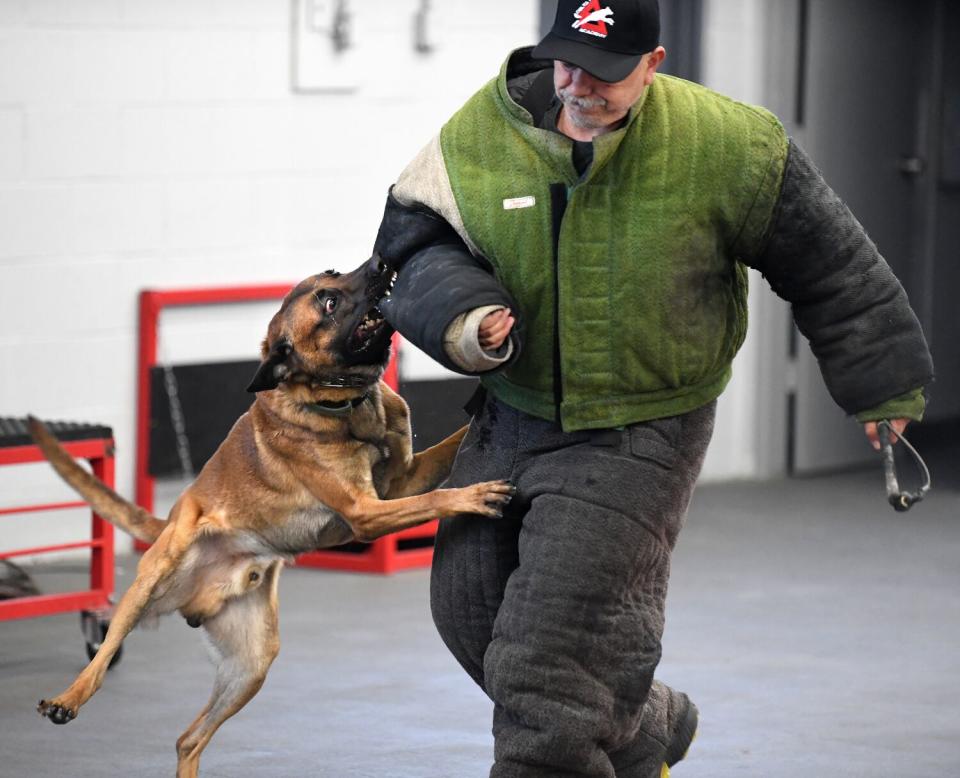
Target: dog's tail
x=104 y=501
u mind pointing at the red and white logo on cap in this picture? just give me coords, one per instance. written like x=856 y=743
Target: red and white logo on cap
x=592 y=19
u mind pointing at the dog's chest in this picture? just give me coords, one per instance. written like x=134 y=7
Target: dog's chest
x=380 y=465
x=376 y=457
x=307 y=529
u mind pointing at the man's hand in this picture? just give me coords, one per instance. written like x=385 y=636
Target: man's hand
x=494 y=329
x=899 y=425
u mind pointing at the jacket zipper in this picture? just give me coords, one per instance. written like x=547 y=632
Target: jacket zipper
x=558 y=206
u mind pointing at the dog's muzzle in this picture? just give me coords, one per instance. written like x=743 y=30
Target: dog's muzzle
x=381 y=276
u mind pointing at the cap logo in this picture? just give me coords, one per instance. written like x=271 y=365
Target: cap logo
x=591 y=19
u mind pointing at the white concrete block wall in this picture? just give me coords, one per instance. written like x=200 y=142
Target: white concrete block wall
x=733 y=63
x=150 y=144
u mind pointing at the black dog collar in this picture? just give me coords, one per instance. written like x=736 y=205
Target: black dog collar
x=344 y=408
x=341 y=382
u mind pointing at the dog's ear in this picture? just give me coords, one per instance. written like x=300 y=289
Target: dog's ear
x=273 y=369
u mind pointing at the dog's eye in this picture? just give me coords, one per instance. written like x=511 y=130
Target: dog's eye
x=329 y=305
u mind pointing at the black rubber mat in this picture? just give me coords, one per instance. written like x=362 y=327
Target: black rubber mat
x=13 y=431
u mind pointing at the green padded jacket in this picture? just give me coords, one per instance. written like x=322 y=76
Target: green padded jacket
x=631 y=281
x=641 y=283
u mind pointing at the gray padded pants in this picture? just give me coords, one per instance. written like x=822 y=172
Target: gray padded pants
x=556 y=610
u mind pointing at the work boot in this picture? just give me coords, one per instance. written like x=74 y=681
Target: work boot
x=683 y=736
x=684 y=733
x=668 y=728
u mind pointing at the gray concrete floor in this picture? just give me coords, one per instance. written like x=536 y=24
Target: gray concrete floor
x=817 y=630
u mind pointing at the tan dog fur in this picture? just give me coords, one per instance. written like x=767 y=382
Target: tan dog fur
x=284 y=481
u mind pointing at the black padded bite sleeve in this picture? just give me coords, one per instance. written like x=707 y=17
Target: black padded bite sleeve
x=845 y=298
x=438 y=280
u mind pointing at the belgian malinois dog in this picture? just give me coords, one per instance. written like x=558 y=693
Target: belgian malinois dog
x=322 y=457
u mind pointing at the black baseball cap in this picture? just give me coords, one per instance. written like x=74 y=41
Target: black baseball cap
x=607 y=38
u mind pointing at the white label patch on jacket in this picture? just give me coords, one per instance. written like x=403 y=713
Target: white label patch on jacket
x=519 y=202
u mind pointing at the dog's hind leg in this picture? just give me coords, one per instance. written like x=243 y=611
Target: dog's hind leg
x=157 y=565
x=245 y=639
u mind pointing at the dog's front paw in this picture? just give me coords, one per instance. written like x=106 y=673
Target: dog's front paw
x=489 y=498
x=57 y=712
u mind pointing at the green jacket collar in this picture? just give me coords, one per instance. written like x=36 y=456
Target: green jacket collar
x=559 y=147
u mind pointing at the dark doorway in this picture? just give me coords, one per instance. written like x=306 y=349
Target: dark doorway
x=879 y=126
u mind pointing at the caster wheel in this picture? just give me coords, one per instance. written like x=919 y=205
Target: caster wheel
x=95 y=630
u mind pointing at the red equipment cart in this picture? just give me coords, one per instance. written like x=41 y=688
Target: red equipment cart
x=82 y=441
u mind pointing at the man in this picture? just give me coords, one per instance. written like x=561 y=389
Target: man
x=578 y=235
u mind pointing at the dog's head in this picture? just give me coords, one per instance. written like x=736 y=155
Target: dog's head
x=329 y=331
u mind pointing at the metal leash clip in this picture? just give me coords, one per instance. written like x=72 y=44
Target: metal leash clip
x=900 y=500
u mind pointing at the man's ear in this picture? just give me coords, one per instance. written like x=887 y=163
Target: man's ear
x=273 y=369
x=656 y=58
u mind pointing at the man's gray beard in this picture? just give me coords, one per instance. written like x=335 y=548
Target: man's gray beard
x=577 y=119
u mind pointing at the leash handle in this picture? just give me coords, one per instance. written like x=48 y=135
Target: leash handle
x=900 y=500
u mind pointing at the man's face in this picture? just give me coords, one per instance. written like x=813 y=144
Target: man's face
x=592 y=104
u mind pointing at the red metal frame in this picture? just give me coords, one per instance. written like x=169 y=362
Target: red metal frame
x=152 y=302
x=382 y=556
x=99 y=452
